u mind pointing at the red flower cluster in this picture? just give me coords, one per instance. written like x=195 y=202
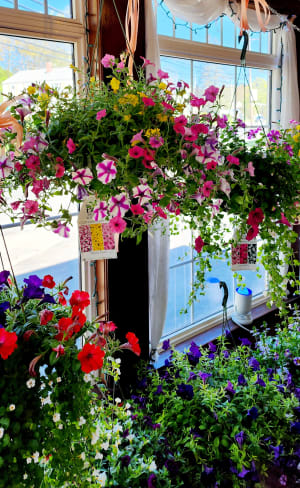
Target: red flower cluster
x=48 y=281
x=132 y=344
x=80 y=299
x=8 y=343
x=255 y=218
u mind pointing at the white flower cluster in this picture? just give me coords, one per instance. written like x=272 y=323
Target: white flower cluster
x=30 y=383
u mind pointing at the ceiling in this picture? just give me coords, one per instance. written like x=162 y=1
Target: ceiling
x=291 y=7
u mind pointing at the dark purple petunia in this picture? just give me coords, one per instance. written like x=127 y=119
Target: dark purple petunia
x=194 y=350
x=159 y=390
x=192 y=376
x=32 y=291
x=33 y=280
x=185 y=391
x=4 y=306
x=4 y=277
x=242 y=380
x=253 y=413
x=278 y=450
x=283 y=480
x=297 y=393
x=296 y=361
x=212 y=347
x=172 y=466
x=125 y=461
x=47 y=299
x=208 y=470
x=289 y=380
x=243 y=473
x=295 y=427
x=204 y=376
x=125 y=433
x=280 y=388
x=276 y=356
x=166 y=345
x=254 y=364
x=260 y=382
x=167 y=363
x=81 y=192
x=240 y=437
x=142 y=384
x=245 y=341
x=211 y=355
x=230 y=388
x=151 y=481
x=226 y=354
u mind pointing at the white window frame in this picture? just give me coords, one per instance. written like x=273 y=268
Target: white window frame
x=169 y=46
x=34 y=25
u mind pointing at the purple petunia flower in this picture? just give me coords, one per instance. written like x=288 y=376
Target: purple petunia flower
x=226 y=354
x=208 y=470
x=125 y=461
x=245 y=341
x=33 y=280
x=166 y=345
x=296 y=361
x=253 y=413
x=254 y=364
x=192 y=376
x=260 y=382
x=204 y=376
x=212 y=347
x=278 y=450
x=32 y=291
x=283 y=480
x=3 y=277
x=243 y=473
x=242 y=380
x=159 y=390
x=151 y=481
x=295 y=427
x=194 y=350
x=240 y=437
x=47 y=299
x=4 y=306
x=229 y=388
x=185 y=391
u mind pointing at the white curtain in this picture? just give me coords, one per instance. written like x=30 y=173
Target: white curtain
x=203 y=12
x=158 y=235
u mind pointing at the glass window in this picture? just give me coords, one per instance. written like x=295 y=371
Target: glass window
x=59 y=8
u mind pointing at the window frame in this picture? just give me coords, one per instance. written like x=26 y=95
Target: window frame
x=197 y=51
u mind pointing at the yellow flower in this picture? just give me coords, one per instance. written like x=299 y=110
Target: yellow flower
x=31 y=90
x=142 y=95
x=168 y=92
x=127 y=117
x=299 y=153
x=180 y=107
x=296 y=137
x=115 y=84
x=298 y=127
x=92 y=79
x=43 y=97
x=152 y=132
x=162 y=117
x=116 y=108
x=129 y=98
x=162 y=85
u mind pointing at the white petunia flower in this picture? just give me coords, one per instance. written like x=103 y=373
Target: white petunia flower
x=118 y=361
x=60 y=426
x=127 y=406
x=1 y=432
x=58 y=379
x=99 y=455
x=56 y=417
x=152 y=466
x=105 y=445
x=118 y=428
x=86 y=464
x=28 y=460
x=82 y=456
x=25 y=476
x=101 y=478
x=118 y=400
x=12 y=407
x=81 y=421
x=95 y=438
x=45 y=401
x=35 y=456
x=130 y=437
x=92 y=411
x=87 y=378
x=30 y=383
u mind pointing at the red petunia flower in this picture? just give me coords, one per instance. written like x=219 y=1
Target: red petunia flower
x=80 y=299
x=46 y=316
x=61 y=299
x=107 y=327
x=255 y=217
x=48 y=281
x=60 y=350
x=65 y=329
x=91 y=358
x=252 y=232
x=7 y=343
x=199 y=243
x=132 y=344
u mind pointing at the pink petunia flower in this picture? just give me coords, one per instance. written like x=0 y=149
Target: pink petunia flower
x=250 y=168
x=30 y=207
x=40 y=185
x=100 y=211
x=207 y=187
x=33 y=162
x=59 y=170
x=160 y=212
x=199 y=243
x=233 y=160
x=6 y=167
x=211 y=93
x=148 y=101
x=255 y=217
x=136 y=152
x=137 y=209
x=179 y=128
x=62 y=230
x=138 y=137
x=156 y=141
x=283 y=220
x=82 y=176
x=162 y=74
x=71 y=145
x=108 y=61
x=211 y=165
x=168 y=106
x=120 y=66
x=117 y=225
x=101 y=114
x=106 y=171
x=199 y=129
x=148 y=216
x=119 y=205
x=146 y=62
x=197 y=102
x=181 y=119
x=15 y=205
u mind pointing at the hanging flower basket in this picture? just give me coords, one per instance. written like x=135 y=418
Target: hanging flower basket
x=146 y=150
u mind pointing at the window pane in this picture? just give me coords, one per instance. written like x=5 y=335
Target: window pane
x=60 y=8
x=182 y=30
x=257 y=100
x=180 y=246
x=164 y=21
x=229 y=32
x=178 y=294
x=32 y=6
x=41 y=252
x=178 y=69
x=7 y=3
x=254 y=44
x=199 y=33
x=214 y=33
x=24 y=61
x=266 y=42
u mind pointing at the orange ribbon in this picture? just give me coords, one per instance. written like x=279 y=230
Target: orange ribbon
x=132 y=23
x=258 y=5
x=7 y=121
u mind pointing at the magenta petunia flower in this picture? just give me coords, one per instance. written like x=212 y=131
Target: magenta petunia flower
x=137 y=209
x=101 y=114
x=252 y=232
x=197 y=102
x=6 y=167
x=100 y=211
x=136 y=152
x=59 y=170
x=71 y=145
x=207 y=187
x=119 y=205
x=199 y=243
x=211 y=93
x=117 y=225
x=82 y=176
x=162 y=74
x=255 y=217
x=156 y=141
x=148 y=101
x=283 y=220
x=106 y=171
x=108 y=61
x=62 y=230
x=233 y=160
x=146 y=62
x=250 y=168
x=211 y=164
x=143 y=193
x=30 y=207
x=138 y=137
